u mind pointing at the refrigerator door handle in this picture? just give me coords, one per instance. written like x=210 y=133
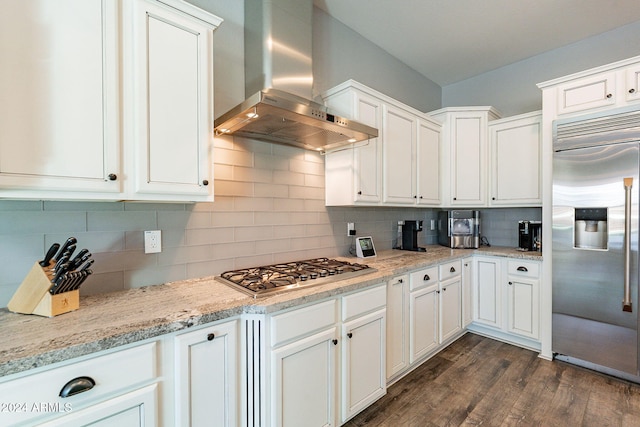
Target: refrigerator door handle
x=626 y=304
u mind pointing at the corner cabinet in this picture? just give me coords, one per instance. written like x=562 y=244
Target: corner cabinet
x=465 y=154
x=128 y=108
x=399 y=168
x=515 y=162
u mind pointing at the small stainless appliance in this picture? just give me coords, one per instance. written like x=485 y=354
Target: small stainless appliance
x=459 y=229
x=269 y=279
x=409 y=232
x=530 y=236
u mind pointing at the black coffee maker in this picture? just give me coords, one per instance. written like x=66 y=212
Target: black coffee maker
x=410 y=231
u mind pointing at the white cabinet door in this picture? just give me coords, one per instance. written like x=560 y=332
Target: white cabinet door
x=59 y=99
x=467 y=291
x=135 y=409
x=354 y=176
x=399 y=139
x=632 y=87
x=516 y=160
x=172 y=96
x=428 y=163
x=487 y=292
x=303 y=381
x=523 y=306
x=469 y=160
x=523 y=298
x=397 y=325
x=424 y=321
x=450 y=309
x=363 y=363
x=207 y=376
x=368 y=157
x=586 y=93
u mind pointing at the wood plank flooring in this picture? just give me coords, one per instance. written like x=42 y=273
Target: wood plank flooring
x=480 y=381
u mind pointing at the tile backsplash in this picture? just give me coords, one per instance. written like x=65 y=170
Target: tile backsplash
x=269 y=207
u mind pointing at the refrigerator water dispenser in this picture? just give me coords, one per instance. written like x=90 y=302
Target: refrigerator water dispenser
x=590 y=228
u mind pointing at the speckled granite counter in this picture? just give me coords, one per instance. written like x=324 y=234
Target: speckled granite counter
x=110 y=320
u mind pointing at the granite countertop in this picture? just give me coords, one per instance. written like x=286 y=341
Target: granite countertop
x=110 y=320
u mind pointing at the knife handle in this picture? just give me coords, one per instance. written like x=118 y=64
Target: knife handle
x=82 y=256
x=50 y=253
x=70 y=241
x=88 y=264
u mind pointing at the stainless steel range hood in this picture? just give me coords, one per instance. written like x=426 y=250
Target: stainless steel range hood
x=279 y=83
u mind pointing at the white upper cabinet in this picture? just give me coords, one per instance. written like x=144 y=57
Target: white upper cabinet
x=428 y=149
x=465 y=154
x=171 y=94
x=59 y=99
x=609 y=86
x=515 y=164
x=399 y=146
x=399 y=168
x=354 y=175
x=106 y=100
x=584 y=94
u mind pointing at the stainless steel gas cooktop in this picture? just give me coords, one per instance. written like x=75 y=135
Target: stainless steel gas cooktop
x=261 y=281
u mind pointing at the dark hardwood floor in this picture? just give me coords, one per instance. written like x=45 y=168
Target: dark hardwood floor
x=480 y=381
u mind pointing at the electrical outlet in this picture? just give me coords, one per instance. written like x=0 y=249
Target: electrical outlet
x=152 y=241
x=351 y=229
x=433 y=224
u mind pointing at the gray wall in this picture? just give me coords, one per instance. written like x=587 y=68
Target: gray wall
x=512 y=89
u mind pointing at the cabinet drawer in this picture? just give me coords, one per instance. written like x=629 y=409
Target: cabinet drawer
x=113 y=372
x=301 y=322
x=583 y=94
x=363 y=302
x=450 y=269
x=524 y=268
x=424 y=277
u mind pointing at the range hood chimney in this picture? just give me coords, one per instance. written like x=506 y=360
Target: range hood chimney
x=279 y=83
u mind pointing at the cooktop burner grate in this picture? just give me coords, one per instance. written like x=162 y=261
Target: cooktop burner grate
x=258 y=281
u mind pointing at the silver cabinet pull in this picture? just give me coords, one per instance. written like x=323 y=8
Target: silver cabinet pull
x=626 y=303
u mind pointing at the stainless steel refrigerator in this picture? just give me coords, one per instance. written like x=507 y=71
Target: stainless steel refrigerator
x=595 y=242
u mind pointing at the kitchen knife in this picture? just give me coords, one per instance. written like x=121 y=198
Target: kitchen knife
x=87 y=264
x=57 y=281
x=70 y=241
x=62 y=261
x=69 y=279
x=85 y=273
x=50 y=253
x=81 y=257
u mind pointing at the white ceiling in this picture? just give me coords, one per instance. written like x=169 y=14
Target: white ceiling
x=451 y=40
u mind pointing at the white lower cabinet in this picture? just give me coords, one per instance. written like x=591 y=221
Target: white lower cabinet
x=327 y=359
x=423 y=315
x=112 y=388
x=523 y=301
x=397 y=325
x=303 y=376
x=363 y=363
x=508 y=300
x=467 y=291
x=206 y=376
x=488 y=302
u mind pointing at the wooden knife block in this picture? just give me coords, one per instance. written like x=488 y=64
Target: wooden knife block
x=33 y=297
